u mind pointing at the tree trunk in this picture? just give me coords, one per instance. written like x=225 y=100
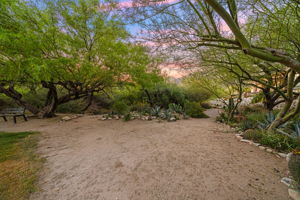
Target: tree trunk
x=149 y=97
x=17 y=97
x=283 y=115
x=89 y=102
x=51 y=101
x=269 y=102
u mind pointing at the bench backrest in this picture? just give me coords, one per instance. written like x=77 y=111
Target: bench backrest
x=13 y=111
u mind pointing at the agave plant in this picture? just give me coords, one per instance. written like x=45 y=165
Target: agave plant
x=269 y=118
x=297 y=129
x=155 y=111
x=175 y=108
x=293 y=131
x=166 y=115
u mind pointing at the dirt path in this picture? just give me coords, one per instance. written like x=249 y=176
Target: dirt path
x=197 y=159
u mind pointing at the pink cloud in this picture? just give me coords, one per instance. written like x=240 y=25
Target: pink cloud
x=131 y=4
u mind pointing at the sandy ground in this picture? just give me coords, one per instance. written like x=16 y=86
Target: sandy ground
x=197 y=159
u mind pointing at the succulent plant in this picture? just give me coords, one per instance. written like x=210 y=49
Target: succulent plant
x=269 y=118
x=297 y=129
x=155 y=111
x=176 y=108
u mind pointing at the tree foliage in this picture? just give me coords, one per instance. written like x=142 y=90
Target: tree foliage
x=64 y=45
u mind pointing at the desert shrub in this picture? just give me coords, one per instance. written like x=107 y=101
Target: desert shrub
x=164 y=94
x=197 y=94
x=247 y=124
x=141 y=107
x=273 y=140
x=129 y=95
x=257 y=116
x=246 y=109
x=222 y=117
x=254 y=135
x=102 y=101
x=194 y=110
x=120 y=107
x=127 y=117
x=278 y=141
x=205 y=105
x=75 y=106
x=36 y=98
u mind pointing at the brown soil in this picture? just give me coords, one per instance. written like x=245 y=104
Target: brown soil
x=90 y=159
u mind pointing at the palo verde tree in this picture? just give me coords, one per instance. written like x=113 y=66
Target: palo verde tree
x=70 y=48
x=264 y=30
x=270 y=79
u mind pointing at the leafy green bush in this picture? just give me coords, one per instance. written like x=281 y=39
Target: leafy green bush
x=75 y=106
x=102 y=101
x=194 y=110
x=141 y=107
x=120 y=107
x=164 y=94
x=205 y=105
x=6 y=102
x=197 y=94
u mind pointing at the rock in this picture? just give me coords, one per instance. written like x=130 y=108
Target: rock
x=256 y=144
x=286 y=181
x=246 y=141
x=294 y=194
x=109 y=118
x=66 y=118
x=288 y=157
x=239 y=137
x=172 y=119
x=283 y=155
x=269 y=150
x=262 y=147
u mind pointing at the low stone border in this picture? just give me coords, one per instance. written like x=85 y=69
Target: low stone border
x=261 y=147
x=70 y=117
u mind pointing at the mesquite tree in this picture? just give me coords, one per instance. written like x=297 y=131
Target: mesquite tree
x=63 y=45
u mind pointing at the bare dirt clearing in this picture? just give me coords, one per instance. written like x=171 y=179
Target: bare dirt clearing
x=90 y=159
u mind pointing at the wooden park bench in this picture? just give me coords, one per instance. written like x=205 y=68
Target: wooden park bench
x=13 y=112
